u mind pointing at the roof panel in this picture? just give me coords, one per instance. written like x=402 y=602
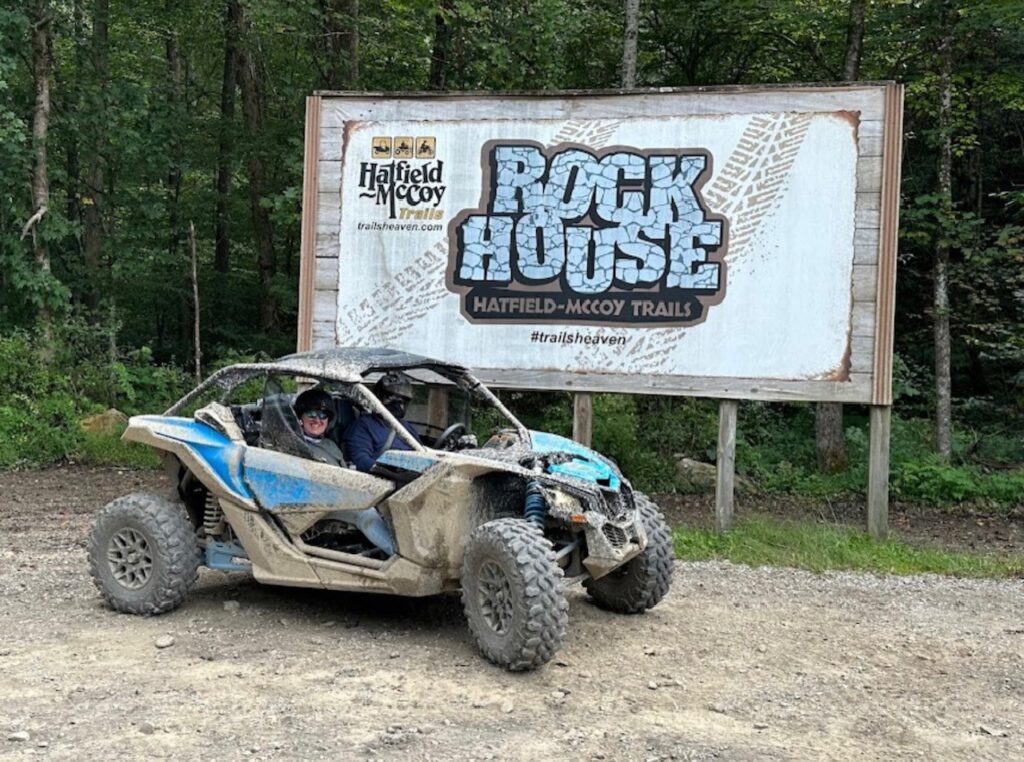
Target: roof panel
x=351 y=363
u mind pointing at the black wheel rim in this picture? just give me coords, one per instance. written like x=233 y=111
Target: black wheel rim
x=495 y=597
x=129 y=558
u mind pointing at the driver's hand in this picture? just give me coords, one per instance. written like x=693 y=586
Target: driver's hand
x=466 y=442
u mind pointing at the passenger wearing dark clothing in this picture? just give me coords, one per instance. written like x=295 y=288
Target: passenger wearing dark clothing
x=315 y=410
x=370 y=435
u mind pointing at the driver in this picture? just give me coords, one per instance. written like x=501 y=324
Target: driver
x=315 y=410
x=370 y=435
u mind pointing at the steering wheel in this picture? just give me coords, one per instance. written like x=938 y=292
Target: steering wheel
x=449 y=436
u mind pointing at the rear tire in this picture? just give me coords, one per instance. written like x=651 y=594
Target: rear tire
x=143 y=554
x=640 y=583
x=512 y=594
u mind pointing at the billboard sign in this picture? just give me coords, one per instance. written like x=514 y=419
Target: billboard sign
x=734 y=242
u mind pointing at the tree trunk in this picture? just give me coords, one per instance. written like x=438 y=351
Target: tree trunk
x=195 y=302
x=74 y=104
x=854 y=40
x=42 y=63
x=439 y=54
x=112 y=354
x=174 y=110
x=940 y=299
x=93 y=198
x=350 y=42
x=222 y=240
x=250 y=84
x=830 y=444
x=340 y=19
x=829 y=439
x=629 y=44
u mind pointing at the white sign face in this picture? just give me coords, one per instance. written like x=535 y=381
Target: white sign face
x=695 y=246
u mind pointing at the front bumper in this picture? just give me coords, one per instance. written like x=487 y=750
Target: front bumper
x=611 y=543
x=613 y=532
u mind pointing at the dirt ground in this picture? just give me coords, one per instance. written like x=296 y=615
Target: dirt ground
x=735 y=664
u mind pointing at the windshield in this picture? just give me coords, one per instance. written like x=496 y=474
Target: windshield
x=279 y=425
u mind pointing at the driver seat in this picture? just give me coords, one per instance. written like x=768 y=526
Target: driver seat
x=345 y=412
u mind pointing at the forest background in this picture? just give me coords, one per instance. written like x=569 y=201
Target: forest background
x=134 y=134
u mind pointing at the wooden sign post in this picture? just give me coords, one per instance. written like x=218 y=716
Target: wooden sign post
x=582 y=418
x=725 y=468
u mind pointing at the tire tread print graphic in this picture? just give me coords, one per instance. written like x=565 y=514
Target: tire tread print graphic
x=746 y=191
x=381 y=318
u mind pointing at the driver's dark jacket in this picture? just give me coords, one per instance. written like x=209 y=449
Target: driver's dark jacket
x=364 y=440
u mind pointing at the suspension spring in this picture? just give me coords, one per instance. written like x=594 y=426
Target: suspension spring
x=213 y=516
x=535 y=507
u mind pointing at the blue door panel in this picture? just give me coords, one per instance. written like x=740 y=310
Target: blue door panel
x=284 y=481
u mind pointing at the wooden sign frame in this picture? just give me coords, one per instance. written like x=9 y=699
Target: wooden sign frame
x=876 y=107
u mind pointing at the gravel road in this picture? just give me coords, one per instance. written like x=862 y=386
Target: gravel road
x=735 y=664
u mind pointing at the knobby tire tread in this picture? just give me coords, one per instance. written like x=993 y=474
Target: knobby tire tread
x=645 y=579
x=170 y=531
x=541 y=610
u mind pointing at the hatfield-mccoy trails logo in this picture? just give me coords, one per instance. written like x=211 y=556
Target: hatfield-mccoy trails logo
x=567 y=235
x=407 y=189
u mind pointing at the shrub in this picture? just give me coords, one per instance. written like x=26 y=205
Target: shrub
x=44 y=396
x=37 y=430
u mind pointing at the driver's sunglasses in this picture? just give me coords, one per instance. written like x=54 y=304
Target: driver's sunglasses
x=320 y=415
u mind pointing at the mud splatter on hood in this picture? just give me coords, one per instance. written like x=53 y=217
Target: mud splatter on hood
x=584 y=464
x=555 y=456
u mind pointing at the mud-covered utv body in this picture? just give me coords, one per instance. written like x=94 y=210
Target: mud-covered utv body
x=508 y=523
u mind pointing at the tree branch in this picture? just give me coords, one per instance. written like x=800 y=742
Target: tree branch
x=32 y=221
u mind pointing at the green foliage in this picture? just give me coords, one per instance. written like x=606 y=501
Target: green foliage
x=42 y=399
x=123 y=317
x=130 y=380
x=110 y=450
x=780 y=457
x=629 y=429
x=38 y=412
x=22 y=370
x=37 y=430
x=775 y=447
x=937 y=483
x=765 y=541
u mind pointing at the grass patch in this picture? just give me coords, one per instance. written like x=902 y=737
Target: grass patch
x=765 y=541
x=110 y=450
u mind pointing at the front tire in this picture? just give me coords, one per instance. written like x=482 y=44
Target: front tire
x=143 y=554
x=640 y=583
x=512 y=594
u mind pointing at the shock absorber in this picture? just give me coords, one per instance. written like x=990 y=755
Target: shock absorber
x=535 y=507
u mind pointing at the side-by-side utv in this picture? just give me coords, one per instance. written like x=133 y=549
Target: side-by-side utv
x=509 y=523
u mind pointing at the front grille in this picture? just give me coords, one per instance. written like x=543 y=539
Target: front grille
x=617 y=505
x=615 y=535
